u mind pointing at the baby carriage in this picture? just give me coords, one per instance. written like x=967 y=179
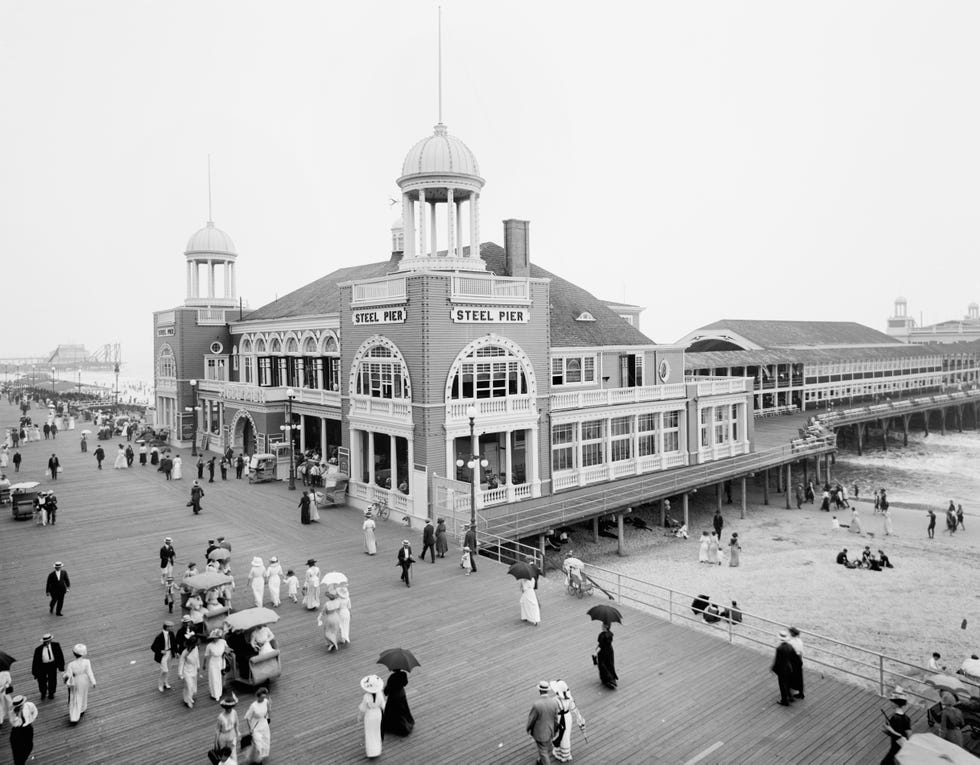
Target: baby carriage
x=577 y=582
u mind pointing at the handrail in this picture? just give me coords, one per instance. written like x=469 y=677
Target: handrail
x=835 y=655
x=495 y=547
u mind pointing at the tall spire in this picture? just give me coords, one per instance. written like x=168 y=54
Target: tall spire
x=440 y=64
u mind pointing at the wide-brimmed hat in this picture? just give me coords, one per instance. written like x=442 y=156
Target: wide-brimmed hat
x=544 y=686
x=80 y=649
x=261 y=693
x=228 y=700
x=310 y=561
x=898 y=694
x=559 y=686
x=367 y=513
x=57 y=564
x=18 y=700
x=215 y=634
x=405 y=542
x=47 y=636
x=783 y=635
x=372 y=683
x=274 y=559
x=256 y=561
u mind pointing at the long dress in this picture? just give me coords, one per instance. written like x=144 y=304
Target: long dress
x=396 y=717
x=563 y=730
x=187 y=667
x=442 y=544
x=855 y=522
x=370 y=544
x=215 y=657
x=120 y=460
x=274 y=576
x=256 y=580
x=311 y=587
x=344 y=614
x=178 y=469
x=226 y=731
x=606 y=658
x=6 y=699
x=703 y=549
x=530 y=610
x=257 y=720
x=329 y=620
x=370 y=711
x=78 y=678
x=713 y=550
x=734 y=549
x=888 y=522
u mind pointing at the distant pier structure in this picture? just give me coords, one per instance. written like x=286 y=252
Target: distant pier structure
x=66 y=357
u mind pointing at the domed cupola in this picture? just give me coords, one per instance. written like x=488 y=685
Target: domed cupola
x=440 y=171
x=210 y=248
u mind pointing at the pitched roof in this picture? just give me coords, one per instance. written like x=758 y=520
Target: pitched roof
x=801 y=334
x=694 y=360
x=567 y=303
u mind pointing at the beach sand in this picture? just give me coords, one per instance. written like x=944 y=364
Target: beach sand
x=788 y=572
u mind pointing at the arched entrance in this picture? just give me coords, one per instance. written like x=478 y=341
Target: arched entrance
x=243 y=433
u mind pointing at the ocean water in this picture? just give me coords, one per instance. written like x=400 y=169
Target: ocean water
x=930 y=471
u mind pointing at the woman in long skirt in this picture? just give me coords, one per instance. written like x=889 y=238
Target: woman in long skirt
x=371 y=711
x=855 y=521
x=329 y=619
x=344 y=613
x=257 y=718
x=78 y=678
x=311 y=586
x=273 y=576
x=530 y=610
x=120 y=458
x=370 y=544
x=256 y=580
x=397 y=717
x=226 y=728
x=563 y=729
x=887 y=515
x=703 y=548
x=734 y=549
x=713 y=549
x=442 y=542
x=177 y=472
x=188 y=666
x=606 y=657
x=214 y=656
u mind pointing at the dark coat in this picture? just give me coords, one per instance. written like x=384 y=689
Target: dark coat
x=167 y=555
x=784 y=663
x=57 y=585
x=157 y=645
x=541 y=719
x=397 y=717
x=37 y=666
x=429 y=535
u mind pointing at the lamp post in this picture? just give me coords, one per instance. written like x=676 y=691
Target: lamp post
x=53 y=391
x=33 y=376
x=474 y=463
x=287 y=431
x=116 y=370
x=79 y=373
x=194 y=409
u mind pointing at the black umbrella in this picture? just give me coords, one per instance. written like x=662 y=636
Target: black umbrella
x=605 y=613
x=521 y=570
x=5 y=661
x=398 y=658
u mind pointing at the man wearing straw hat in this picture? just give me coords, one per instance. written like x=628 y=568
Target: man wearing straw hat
x=22 y=719
x=898 y=725
x=164 y=647
x=541 y=722
x=783 y=665
x=48 y=662
x=167 y=555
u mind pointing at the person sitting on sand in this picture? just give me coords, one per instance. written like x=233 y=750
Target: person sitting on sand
x=681 y=533
x=842 y=557
x=883 y=560
x=712 y=613
x=866 y=557
x=699 y=604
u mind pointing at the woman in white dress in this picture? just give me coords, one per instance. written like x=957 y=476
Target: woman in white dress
x=370 y=711
x=530 y=610
x=188 y=666
x=273 y=576
x=257 y=718
x=887 y=515
x=79 y=678
x=120 y=462
x=344 y=612
x=256 y=580
x=311 y=586
x=703 y=549
x=329 y=618
x=563 y=730
x=177 y=472
x=314 y=513
x=713 y=549
x=855 y=521
x=370 y=544
x=214 y=656
x=6 y=699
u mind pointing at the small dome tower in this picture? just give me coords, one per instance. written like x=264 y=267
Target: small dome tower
x=210 y=248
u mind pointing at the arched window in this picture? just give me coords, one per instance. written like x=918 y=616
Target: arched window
x=309 y=347
x=246 y=347
x=166 y=364
x=291 y=345
x=493 y=370
x=275 y=347
x=381 y=372
x=260 y=346
x=331 y=363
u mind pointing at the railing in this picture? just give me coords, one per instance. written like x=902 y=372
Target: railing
x=568 y=479
x=369 y=406
x=490 y=289
x=379 y=291
x=210 y=316
x=369 y=492
x=616 y=396
x=720 y=385
x=870 y=668
x=489 y=407
x=919 y=403
x=505 y=550
x=166 y=317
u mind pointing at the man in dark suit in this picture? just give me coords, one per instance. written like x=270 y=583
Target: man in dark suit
x=48 y=662
x=239 y=466
x=428 y=540
x=99 y=454
x=783 y=665
x=405 y=560
x=53 y=466
x=57 y=587
x=541 y=722
x=164 y=647
x=167 y=555
x=470 y=541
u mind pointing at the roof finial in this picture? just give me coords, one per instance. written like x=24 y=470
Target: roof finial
x=440 y=64
x=210 y=219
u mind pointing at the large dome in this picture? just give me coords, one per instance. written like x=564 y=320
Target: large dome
x=211 y=239
x=440 y=153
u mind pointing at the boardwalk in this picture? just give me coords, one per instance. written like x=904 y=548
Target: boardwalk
x=683 y=692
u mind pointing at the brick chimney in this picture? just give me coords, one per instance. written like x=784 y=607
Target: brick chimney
x=517 y=247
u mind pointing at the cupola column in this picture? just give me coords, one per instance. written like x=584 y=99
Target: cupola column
x=474 y=225
x=422 y=231
x=459 y=229
x=450 y=224
x=210 y=278
x=190 y=280
x=196 y=278
x=433 y=239
x=408 y=223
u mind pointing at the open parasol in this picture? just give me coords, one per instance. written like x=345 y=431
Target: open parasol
x=521 y=570
x=930 y=749
x=571 y=562
x=605 y=613
x=5 y=661
x=219 y=553
x=86 y=432
x=947 y=683
x=398 y=658
x=251 y=617
x=206 y=581
x=333 y=577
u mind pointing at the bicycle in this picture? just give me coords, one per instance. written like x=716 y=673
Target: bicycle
x=380 y=510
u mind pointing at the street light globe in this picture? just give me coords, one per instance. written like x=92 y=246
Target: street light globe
x=192 y=383
x=471 y=412
x=290 y=393
x=460 y=463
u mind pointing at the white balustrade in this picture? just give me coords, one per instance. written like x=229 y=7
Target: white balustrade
x=378 y=291
x=490 y=288
x=615 y=396
x=490 y=407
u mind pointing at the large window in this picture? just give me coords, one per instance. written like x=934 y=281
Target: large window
x=166 y=364
x=631 y=370
x=268 y=371
x=621 y=438
x=672 y=431
x=563 y=446
x=573 y=370
x=382 y=374
x=491 y=371
x=593 y=442
x=216 y=369
x=646 y=434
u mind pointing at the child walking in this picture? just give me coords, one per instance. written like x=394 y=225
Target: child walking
x=292 y=586
x=168 y=593
x=466 y=563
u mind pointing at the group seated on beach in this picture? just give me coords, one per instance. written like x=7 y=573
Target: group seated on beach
x=712 y=612
x=867 y=559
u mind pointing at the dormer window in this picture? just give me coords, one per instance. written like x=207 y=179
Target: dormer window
x=585 y=316
x=573 y=370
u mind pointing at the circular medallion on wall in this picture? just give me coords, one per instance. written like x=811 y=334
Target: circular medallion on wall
x=216 y=347
x=664 y=370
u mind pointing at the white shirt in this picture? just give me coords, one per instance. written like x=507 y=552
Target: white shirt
x=27 y=715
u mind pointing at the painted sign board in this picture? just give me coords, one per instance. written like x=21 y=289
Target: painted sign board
x=476 y=314
x=390 y=315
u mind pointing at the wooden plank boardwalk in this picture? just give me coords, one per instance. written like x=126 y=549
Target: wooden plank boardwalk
x=683 y=692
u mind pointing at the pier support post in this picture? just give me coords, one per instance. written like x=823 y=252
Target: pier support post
x=925 y=423
x=828 y=468
x=942 y=420
x=542 y=548
x=884 y=434
x=959 y=418
x=858 y=427
x=684 y=506
x=789 y=481
x=816 y=469
x=718 y=488
x=619 y=535
x=765 y=486
x=743 y=493
x=663 y=512
x=595 y=530
x=905 y=429
x=806 y=470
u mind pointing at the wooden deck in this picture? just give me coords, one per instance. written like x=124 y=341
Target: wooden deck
x=682 y=693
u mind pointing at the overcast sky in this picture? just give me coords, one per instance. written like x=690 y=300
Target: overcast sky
x=706 y=160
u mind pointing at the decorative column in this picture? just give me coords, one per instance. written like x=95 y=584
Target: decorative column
x=393 y=459
x=323 y=439
x=458 y=249
x=450 y=224
x=370 y=436
x=422 y=232
x=210 y=278
x=433 y=236
x=743 y=493
x=190 y=280
x=234 y=286
x=474 y=225
x=408 y=225
x=196 y=278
